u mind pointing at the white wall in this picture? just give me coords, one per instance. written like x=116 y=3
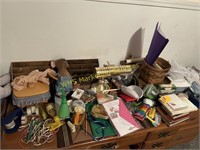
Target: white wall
x=73 y=29
x=198 y=49
x=0 y=38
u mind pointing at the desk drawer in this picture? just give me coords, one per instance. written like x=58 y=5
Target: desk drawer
x=120 y=143
x=163 y=133
x=194 y=116
x=131 y=140
x=181 y=141
x=186 y=133
x=157 y=144
x=104 y=145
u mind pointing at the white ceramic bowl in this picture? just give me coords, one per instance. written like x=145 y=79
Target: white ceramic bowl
x=132 y=91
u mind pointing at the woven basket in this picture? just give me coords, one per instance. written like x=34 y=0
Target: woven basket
x=154 y=75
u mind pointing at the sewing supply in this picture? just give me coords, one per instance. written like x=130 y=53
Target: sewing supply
x=71 y=126
x=152 y=121
x=148 y=101
x=51 y=110
x=152 y=112
x=64 y=111
x=24 y=120
x=79 y=115
x=78 y=103
x=37 y=132
x=28 y=111
x=30 y=132
x=42 y=111
x=12 y=121
x=141 y=112
x=37 y=111
x=10 y=125
x=33 y=109
x=57 y=123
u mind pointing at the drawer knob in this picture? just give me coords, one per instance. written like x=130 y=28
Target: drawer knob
x=109 y=146
x=157 y=145
x=163 y=134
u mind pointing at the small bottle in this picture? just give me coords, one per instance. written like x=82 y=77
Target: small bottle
x=51 y=110
x=64 y=111
x=42 y=111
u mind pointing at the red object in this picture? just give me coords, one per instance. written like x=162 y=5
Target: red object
x=127 y=98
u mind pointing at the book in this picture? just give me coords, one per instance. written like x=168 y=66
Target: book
x=120 y=117
x=168 y=119
x=176 y=103
x=191 y=107
x=166 y=88
x=180 y=84
x=179 y=115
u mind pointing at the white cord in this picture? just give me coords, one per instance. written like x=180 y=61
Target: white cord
x=40 y=133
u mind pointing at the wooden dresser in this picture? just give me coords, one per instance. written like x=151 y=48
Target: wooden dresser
x=160 y=137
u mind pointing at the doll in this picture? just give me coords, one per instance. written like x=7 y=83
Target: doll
x=64 y=79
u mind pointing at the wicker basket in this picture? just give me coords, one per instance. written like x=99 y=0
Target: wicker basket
x=154 y=75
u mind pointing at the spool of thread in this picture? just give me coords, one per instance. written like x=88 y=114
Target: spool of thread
x=78 y=103
x=37 y=111
x=71 y=126
x=33 y=109
x=24 y=120
x=28 y=111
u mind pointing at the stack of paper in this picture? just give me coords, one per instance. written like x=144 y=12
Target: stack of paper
x=175 y=105
x=120 y=117
x=169 y=120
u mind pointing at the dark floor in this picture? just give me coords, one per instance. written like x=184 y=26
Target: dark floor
x=194 y=144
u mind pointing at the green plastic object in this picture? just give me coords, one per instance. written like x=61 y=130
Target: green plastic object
x=150 y=91
x=64 y=111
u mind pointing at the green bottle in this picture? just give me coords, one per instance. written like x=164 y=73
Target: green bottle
x=64 y=111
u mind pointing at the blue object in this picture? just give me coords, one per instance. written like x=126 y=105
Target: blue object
x=12 y=121
x=63 y=82
x=194 y=100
